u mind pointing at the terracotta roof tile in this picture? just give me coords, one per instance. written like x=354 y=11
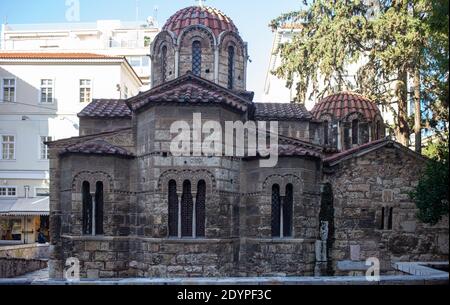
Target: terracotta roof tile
x=102 y=108
x=281 y=111
x=96 y=147
x=37 y=55
x=210 y=17
x=342 y=104
x=190 y=89
x=349 y=152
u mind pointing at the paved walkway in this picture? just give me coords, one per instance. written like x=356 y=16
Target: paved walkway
x=432 y=277
x=41 y=278
x=40 y=275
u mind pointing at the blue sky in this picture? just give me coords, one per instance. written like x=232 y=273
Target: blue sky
x=250 y=16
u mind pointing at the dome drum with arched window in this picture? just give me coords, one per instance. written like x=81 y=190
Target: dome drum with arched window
x=201 y=40
x=347 y=120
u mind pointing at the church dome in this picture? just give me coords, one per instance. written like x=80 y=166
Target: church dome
x=210 y=17
x=343 y=104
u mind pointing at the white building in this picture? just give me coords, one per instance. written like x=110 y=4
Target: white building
x=40 y=96
x=108 y=37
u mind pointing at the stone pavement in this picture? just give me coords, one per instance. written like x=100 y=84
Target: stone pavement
x=41 y=278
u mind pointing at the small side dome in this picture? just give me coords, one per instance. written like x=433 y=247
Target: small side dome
x=342 y=104
x=348 y=119
x=210 y=17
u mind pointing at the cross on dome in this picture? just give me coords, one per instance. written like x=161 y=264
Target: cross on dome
x=200 y=2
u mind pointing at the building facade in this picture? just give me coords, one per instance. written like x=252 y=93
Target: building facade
x=41 y=95
x=108 y=37
x=126 y=204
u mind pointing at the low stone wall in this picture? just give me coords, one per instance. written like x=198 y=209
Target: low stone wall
x=28 y=251
x=13 y=267
x=107 y=257
x=283 y=257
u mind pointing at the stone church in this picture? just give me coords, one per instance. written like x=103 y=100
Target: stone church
x=125 y=206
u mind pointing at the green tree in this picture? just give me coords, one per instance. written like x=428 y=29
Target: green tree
x=431 y=194
x=404 y=39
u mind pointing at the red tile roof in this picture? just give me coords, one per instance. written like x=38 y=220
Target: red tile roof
x=368 y=147
x=288 y=147
x=106 y=108
x=344 y=103
x=96 y=147
x=37 y=55
x=281 y=111
x=210 y=17
x=190 y=89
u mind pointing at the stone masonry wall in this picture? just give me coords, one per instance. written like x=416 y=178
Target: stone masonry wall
x=261 y=254
x=362 y=186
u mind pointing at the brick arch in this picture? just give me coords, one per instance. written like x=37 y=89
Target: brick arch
x=197 y=31
x=92 y=178
x=194 y=176
x=283 y=181
x=327 y=117
x=163 y=37
x=229 y=37
x=355 y=115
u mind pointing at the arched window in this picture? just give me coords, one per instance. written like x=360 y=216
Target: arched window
x=163 y=63
x=230 y=67
x=325 y=132
x=173 y=209
x=355 y=131
x=186 y=210
x=200 y=209
x=87 y=208
x=282 y=207
x=276 y=209
x=197 y=58
x=92 y=209
x=287 y=211
x=99 y=208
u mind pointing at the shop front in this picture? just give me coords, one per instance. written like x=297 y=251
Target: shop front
x=22 y=219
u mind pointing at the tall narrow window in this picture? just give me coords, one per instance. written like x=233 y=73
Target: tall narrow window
x=46 y=91
x=173 y=209
x=230 y=67
x=197 y=58
x=87 y=208
x=99 y=208
x=355 y=131
x=92 y=208
x=85 y=91
x=378 y=130
x=8 y=147
x=44 y=152
x=325 y=132
x=276 y=210
x=200 y=209
x=391 y=210
x=9 y=90
x=186 y=210
x=382 y=219
x=287 y=211
x=163 y=63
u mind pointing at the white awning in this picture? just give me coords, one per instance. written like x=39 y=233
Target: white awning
x=39 y=206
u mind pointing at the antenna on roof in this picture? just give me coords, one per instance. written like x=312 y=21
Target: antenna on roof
x=155 y=13
x=137 y=11
x=200 y=2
